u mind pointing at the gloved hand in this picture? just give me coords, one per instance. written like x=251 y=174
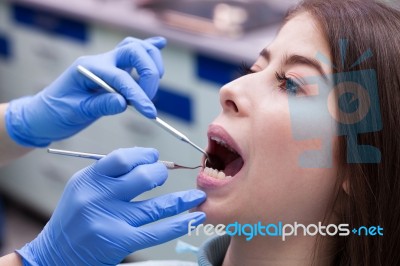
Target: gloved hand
x=72 y=101
x=96 y=224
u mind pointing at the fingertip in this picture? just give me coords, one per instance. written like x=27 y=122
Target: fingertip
x=195 y=196
x=155 y=153
x=124 y=160
x=199 y=193
x=197 y=218
x=149 y=154
x=148 y=111
x=164 y=168
x=163 y=175
x=157 y=41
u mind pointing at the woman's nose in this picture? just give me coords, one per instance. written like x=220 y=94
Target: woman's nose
x=233 y=99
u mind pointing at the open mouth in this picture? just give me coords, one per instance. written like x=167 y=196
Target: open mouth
x=224 y=161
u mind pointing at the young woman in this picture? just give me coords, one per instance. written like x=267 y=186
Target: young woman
x=288 y=162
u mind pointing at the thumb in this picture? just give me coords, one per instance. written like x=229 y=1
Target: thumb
x=104 y=104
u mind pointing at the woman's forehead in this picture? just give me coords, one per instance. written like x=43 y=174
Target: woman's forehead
x=300 y=35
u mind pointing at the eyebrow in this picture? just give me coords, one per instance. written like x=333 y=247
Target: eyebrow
x=295 y=59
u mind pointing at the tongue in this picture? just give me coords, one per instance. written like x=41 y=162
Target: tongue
x=234 y=167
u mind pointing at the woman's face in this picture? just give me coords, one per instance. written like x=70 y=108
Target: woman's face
x=262 y=120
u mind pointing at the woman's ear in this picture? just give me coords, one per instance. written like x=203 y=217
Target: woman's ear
x=346 y=186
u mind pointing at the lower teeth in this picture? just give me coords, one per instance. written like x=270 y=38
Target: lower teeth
x=215 y=173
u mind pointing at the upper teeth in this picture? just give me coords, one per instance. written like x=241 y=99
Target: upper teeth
x=223 y=143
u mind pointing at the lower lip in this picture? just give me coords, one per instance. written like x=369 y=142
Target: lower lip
x=205 y=181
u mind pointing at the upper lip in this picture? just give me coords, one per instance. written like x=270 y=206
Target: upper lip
x=219 y=132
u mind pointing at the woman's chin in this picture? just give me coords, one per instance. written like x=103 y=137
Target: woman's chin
x=213 y=215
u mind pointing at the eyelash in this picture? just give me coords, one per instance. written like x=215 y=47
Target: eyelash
x=245 y=69
x=286 y=84
x=290 y=87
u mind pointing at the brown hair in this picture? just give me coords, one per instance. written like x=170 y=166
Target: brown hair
x=374 y=188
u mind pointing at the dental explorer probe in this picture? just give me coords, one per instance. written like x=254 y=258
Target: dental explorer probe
x=158 y=120
x=95 y=156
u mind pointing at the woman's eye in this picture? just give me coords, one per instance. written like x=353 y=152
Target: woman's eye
x=245 y=69
x=286 y=84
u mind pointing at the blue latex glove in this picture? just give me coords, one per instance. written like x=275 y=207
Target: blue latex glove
x=96 y=224
x=72 y=101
